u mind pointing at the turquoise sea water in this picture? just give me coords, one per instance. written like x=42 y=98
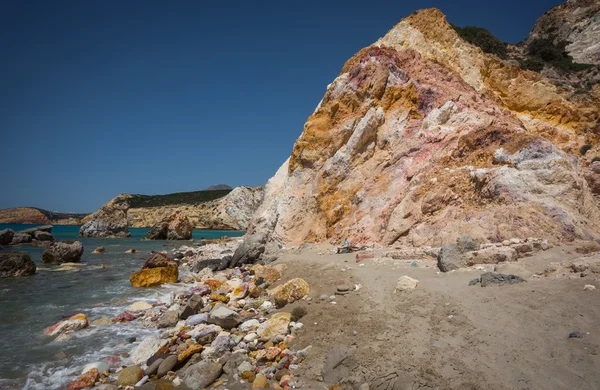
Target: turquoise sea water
x=32 y=360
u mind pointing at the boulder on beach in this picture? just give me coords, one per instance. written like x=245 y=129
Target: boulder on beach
x=73 y=323
x=16 y=264
x=289 y=292
x=6 y=236
x=109 y=221
x=63 y=252
x=150 y=277
x=176 y=226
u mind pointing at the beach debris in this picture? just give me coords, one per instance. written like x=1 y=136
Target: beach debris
x=575 y=335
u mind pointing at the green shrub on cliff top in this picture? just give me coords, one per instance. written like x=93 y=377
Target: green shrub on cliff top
x=483 y=38
x=544 y=51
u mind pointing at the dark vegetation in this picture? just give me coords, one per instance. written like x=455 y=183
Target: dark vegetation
x=584 y=149
x=55 y=216
x=138 y=201
x=484 y=39
x=543 y=51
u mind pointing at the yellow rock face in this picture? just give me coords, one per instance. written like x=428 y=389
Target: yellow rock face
x=150 y=277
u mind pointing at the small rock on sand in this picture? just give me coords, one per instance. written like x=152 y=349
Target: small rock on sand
x=406 y=283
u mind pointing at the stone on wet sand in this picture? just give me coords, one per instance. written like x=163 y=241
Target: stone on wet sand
x=104 y=321
x=140 y=305
x=129 y=376
x=63 y=252
x=100 y=366
x=289 y=292
x=202 y=375
x=86 y=380
x=224 y=317
x=406 y=283
x=73 y=323
x=16 y=264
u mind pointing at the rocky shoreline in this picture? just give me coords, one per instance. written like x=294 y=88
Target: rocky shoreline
x=237 y=328
x=227 y=327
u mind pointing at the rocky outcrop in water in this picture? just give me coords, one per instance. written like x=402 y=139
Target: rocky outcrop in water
x=109 y=221
x=423 y=138
x=63 y=252
x=175 y=227
x=230 y=212
x=16 y=264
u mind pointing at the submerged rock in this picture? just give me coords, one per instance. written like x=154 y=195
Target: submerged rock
x=16 y=264
x=63 y=252
x=176 y=226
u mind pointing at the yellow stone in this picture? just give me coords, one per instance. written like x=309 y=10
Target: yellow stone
x=260 y=382
x=196 y=348
x=149 y=277
x=289 y=292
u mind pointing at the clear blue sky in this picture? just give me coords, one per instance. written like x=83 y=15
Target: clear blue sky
x=105 y=97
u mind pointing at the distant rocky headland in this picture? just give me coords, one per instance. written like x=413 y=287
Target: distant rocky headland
x=34 y=215
x=218 y=207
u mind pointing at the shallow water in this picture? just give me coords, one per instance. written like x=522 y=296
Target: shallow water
x=30 y=359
